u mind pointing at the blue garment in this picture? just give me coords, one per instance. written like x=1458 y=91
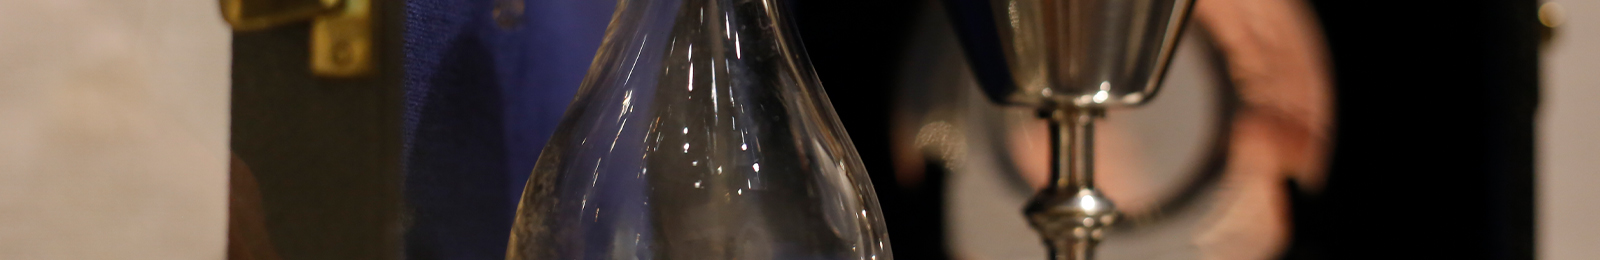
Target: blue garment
x=481 y=100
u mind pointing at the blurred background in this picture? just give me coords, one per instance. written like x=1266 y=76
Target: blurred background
x=136 y=129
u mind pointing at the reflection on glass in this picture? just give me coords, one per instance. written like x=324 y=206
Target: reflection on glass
x=700 y=133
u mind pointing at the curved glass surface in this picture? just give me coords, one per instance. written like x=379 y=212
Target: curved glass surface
x=700 y=132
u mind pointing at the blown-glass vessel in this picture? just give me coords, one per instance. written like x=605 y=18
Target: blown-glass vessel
x=700 y=132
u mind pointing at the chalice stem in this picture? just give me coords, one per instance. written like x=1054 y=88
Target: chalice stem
x=1070 y=214
x=1072 y=146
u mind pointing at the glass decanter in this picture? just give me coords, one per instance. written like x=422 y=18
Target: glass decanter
x=700 y=132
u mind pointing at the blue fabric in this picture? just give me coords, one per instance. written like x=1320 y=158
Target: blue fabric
x=481 y=100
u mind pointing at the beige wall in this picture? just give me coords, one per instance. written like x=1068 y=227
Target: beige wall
x=113 y=129
x=1569 y=138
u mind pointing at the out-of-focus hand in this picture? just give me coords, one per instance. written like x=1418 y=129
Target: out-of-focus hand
x=1275 y=53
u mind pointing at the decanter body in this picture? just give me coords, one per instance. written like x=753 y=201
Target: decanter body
x=700 y=132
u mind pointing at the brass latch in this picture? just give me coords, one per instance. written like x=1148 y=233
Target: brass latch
x=341 y=30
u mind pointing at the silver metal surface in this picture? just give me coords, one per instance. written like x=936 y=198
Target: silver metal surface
x=1162 y=149
x=1072 y=59
x=1087 y=53
x=1071 y=214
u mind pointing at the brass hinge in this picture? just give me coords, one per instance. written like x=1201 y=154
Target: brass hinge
x=341 y=30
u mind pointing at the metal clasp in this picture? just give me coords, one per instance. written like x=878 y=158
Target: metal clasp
x=341 y=30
